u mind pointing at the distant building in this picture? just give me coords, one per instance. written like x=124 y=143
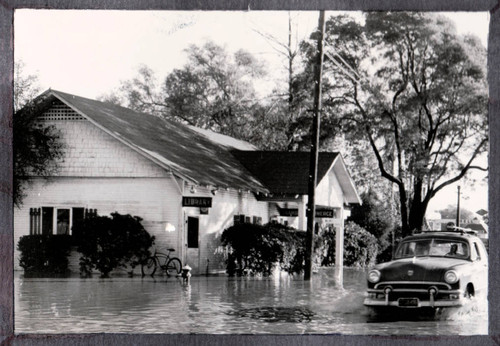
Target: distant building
x=476 y=224
x=187 y=184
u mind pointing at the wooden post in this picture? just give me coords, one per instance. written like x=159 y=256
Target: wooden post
x=313 y=168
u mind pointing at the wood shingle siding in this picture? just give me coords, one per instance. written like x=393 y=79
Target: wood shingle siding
x=90 y=152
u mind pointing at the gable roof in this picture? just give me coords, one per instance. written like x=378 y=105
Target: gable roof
x=288 y=172
x=202 y=156
x=186 y=153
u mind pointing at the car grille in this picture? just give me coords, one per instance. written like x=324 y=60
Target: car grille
x=412 y=285
x=412 y=289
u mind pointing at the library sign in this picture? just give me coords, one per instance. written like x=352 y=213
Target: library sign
x=200 y=202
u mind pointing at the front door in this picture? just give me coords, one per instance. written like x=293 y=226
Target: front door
x=192 y=244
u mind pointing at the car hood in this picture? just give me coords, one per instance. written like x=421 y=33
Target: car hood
x=418 y=268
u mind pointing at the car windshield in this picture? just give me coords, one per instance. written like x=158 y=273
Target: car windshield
x=433 y=247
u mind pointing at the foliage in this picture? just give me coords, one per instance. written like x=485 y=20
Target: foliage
x=44 y=254
x=416 y=91
x=214 y=90
x=142 y=93
x=37 y=147
x=107 y=243
x=258 y=249
x=374 y=214
x=360 y=246
x=26 y=86
x=385 y=252
x=253 y=248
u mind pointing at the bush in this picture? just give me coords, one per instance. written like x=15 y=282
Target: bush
x=107 y=243
x=293 y=247
x=258 y=249
x=360 y=246
x=44 y=254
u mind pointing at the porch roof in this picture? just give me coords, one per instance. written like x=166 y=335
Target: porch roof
x=287 y=173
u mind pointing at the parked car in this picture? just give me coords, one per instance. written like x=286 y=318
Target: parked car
x=430 y=270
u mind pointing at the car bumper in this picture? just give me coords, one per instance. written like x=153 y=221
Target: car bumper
x=404 y=298
x=421 y=303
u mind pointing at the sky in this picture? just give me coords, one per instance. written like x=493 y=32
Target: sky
x=89 y=52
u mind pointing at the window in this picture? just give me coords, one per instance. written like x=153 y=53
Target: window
x=257 y=220
x=54 y=220
x=47 y=220
x=62 y=221
x=237 y=219
x=475 y=256
x=433 y=247
x=35 y=220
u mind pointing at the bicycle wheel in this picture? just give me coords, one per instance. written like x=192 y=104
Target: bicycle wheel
x=174 y=266
x=149 y=267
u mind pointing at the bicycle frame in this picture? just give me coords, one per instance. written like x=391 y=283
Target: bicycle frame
x=162 y=258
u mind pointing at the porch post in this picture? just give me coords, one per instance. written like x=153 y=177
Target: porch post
x=301 y=205
x=339 y=250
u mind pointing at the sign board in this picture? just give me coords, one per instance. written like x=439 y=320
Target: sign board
x=201 y=202
x=328 y=213
x=289 y=212
x=320 y=213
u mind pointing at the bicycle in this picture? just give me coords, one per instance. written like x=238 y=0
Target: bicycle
x=171 y=265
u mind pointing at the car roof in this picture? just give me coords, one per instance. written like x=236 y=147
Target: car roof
x=460 y=234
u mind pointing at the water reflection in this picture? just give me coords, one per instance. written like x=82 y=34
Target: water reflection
x=278 y=305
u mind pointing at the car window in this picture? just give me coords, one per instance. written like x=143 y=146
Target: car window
x=475 y=256
x=433 y=247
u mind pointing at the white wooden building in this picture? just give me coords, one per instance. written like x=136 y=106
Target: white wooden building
x=187 y=184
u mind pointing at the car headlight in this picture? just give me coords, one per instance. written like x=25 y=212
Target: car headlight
x=373 y=276
x=451 y=277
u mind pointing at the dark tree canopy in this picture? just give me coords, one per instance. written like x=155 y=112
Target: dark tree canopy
x=37 y=147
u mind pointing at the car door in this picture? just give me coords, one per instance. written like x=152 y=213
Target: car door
x=479 y=259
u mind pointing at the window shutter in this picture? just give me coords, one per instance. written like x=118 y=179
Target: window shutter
x=34 y=221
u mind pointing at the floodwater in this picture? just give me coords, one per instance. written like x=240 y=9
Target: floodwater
x=220 y=305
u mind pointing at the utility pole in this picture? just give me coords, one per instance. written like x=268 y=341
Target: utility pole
x=458 y=206
x=313 y=168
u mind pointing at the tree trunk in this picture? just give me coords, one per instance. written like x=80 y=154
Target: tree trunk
x=417 y=209
x=405 y=228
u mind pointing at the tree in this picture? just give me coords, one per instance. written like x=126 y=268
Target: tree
x=416 y=91
x=142 y=93
x=214 y=90
x=374 y=214
x=287 y=106
x=37 y=147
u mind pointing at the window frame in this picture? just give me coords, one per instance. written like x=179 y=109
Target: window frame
x=38 y=226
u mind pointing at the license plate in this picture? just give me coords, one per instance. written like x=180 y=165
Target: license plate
x=408 y=302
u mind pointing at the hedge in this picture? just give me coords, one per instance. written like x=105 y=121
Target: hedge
x=44 y=254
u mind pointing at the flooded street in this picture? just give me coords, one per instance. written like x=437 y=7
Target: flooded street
x=218 y=304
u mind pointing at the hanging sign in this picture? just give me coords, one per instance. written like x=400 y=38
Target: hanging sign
x=201 y=202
